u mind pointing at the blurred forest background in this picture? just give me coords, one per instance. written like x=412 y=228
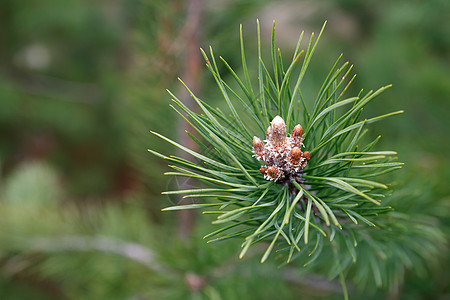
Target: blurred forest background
x=82 y=83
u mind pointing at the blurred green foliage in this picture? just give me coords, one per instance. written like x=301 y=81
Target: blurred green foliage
x=82 y=82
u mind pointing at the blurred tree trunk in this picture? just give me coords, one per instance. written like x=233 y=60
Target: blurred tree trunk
x=190 y=75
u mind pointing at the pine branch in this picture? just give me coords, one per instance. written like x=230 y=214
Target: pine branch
x=313 y=185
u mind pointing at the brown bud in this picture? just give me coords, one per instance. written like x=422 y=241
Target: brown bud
x=306 y=155
x=263 y=170
x=272 y=172
x=296 y=155
x=278 y=131
x=258 y=145
x=297 y=131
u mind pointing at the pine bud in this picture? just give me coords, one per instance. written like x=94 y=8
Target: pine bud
x=306 y=155
x=278 y=136
x=263 y=170
x=296 y=135
x=274 y=173
x=258 y=145
x=296 y=155
x=297 y=132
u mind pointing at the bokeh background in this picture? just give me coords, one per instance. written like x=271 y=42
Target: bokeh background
x=81 y=84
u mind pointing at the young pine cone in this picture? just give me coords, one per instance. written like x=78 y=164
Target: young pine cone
x=281 y=154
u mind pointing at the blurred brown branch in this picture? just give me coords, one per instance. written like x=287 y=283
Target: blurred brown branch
x=190 y=76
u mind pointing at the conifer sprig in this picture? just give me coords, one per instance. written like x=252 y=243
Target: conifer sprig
x=305 y=211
